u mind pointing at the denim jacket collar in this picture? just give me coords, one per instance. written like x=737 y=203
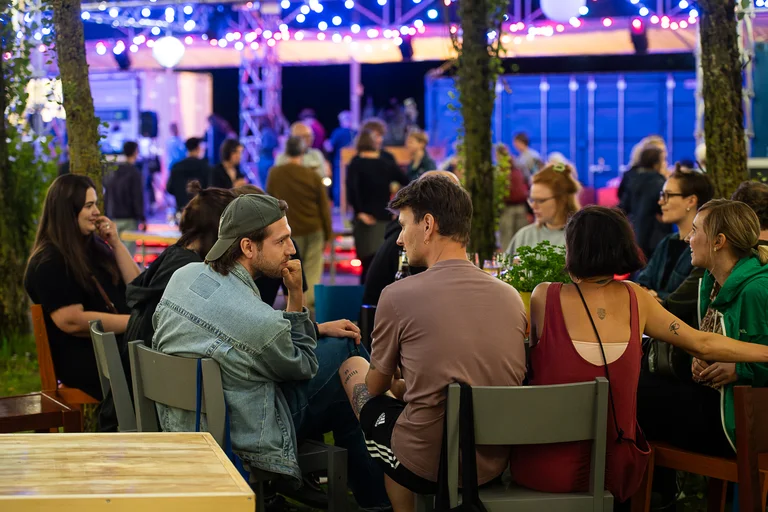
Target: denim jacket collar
x=242 y=274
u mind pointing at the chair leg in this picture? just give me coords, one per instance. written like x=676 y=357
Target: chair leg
x=337 y=480
x=261 y=505
x=717 y=491
x=763 y=489
x=641 y=501
x=424 y=503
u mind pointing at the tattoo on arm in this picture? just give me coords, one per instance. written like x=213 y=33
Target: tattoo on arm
x=601 y=313
x=348 y=375
x=360 y=397
x=674 y=327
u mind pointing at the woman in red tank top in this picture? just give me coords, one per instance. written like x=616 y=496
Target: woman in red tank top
x=592 y=329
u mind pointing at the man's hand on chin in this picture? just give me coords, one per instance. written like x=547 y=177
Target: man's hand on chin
x=340 y=329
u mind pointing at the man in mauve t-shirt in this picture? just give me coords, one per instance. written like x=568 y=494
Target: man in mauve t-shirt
x=451 y=323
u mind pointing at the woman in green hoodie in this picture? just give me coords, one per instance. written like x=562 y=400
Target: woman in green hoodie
x=733 y=295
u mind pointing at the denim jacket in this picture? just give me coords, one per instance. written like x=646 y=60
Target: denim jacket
x=652 y=274
x=205 y=314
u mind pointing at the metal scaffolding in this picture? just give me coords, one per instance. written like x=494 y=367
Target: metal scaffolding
x=260 y=82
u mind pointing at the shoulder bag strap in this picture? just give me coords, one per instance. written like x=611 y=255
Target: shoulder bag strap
x=605 y=363
x=110 y=305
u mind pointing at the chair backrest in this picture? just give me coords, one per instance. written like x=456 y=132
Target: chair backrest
x=367 y=318
x=44 y=360
x=172 y=381
x=336 y=302
x=518 y=415
x=112 y=375
x=751 y=410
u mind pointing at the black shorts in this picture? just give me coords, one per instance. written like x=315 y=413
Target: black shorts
x=377 y=420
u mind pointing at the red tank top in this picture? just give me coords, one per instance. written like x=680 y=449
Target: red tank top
x=564 y=467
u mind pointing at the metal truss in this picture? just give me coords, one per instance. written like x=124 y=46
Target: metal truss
x=260 y=83
x=746 y=33
x=132 y=22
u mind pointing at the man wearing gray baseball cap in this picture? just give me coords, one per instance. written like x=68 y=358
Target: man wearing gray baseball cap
x=279 y=383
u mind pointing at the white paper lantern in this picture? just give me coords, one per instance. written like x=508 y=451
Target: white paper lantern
x=562 y=10
x=168 y=51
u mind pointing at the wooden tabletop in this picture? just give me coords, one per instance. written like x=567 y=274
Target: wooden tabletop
x=124 y=472
x=36 y=411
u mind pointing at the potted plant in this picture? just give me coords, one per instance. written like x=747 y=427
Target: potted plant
x=533 y=265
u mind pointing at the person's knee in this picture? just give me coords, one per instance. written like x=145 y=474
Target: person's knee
x=352 y=363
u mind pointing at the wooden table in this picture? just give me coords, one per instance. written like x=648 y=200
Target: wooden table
x=126 y=472
x=36 y=411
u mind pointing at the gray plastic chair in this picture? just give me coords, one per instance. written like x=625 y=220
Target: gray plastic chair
x=533 y=415
x=172 y=381
x=112 y=375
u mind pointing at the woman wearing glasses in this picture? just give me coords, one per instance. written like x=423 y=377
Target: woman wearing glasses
x=553 y=198
x=669 y=267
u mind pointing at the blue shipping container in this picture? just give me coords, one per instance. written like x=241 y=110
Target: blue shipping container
x=592 y=119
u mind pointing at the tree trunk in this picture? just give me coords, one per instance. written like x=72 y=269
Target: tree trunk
x=82 y=123
x=476 y=94
x=722 y=86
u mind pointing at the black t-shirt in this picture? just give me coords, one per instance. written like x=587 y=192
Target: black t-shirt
x=50 y=283
x=220 y=178
x=368 y=181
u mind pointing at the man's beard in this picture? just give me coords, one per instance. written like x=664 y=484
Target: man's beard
x=261 y=267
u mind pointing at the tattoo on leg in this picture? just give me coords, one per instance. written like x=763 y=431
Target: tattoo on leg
x=674 y=327
x=348 y=375
x=601 y=313
x=360 y=397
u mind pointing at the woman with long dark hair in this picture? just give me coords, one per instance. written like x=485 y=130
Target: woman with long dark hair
x=77 y=273
x=199 y=230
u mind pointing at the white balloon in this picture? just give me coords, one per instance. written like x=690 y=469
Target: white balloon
x=168 y=51
x=562 y=10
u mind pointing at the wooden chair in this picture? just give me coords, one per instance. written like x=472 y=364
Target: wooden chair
x=112 y=375
x=172 y=380
x=71 y=396
x=552 y=414
x=749 y=468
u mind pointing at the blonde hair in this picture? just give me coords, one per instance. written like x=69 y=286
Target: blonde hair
x=637 y=150
x=419 y=136
x=738 y=223
x=561 y=180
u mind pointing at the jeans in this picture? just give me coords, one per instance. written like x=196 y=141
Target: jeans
x=320 y=405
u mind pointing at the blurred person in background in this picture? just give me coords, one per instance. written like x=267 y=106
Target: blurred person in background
x=528 y=159
x=341 y=137
x=369 y=180
x=416 y=143
x=634 y=166
x=378 y=130
x=227 y=173
x=309 y=213
x=124 y=194
x=755 y=195
x=641 y=199
x=313 y=158
x=553 y=198
x=175 y=151
x=309 y=118
x=192 y=168
x=268 y=144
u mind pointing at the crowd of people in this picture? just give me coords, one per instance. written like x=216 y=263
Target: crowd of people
x=699 y=281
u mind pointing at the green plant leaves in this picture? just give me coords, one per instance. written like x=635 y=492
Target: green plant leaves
x=544 y=263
